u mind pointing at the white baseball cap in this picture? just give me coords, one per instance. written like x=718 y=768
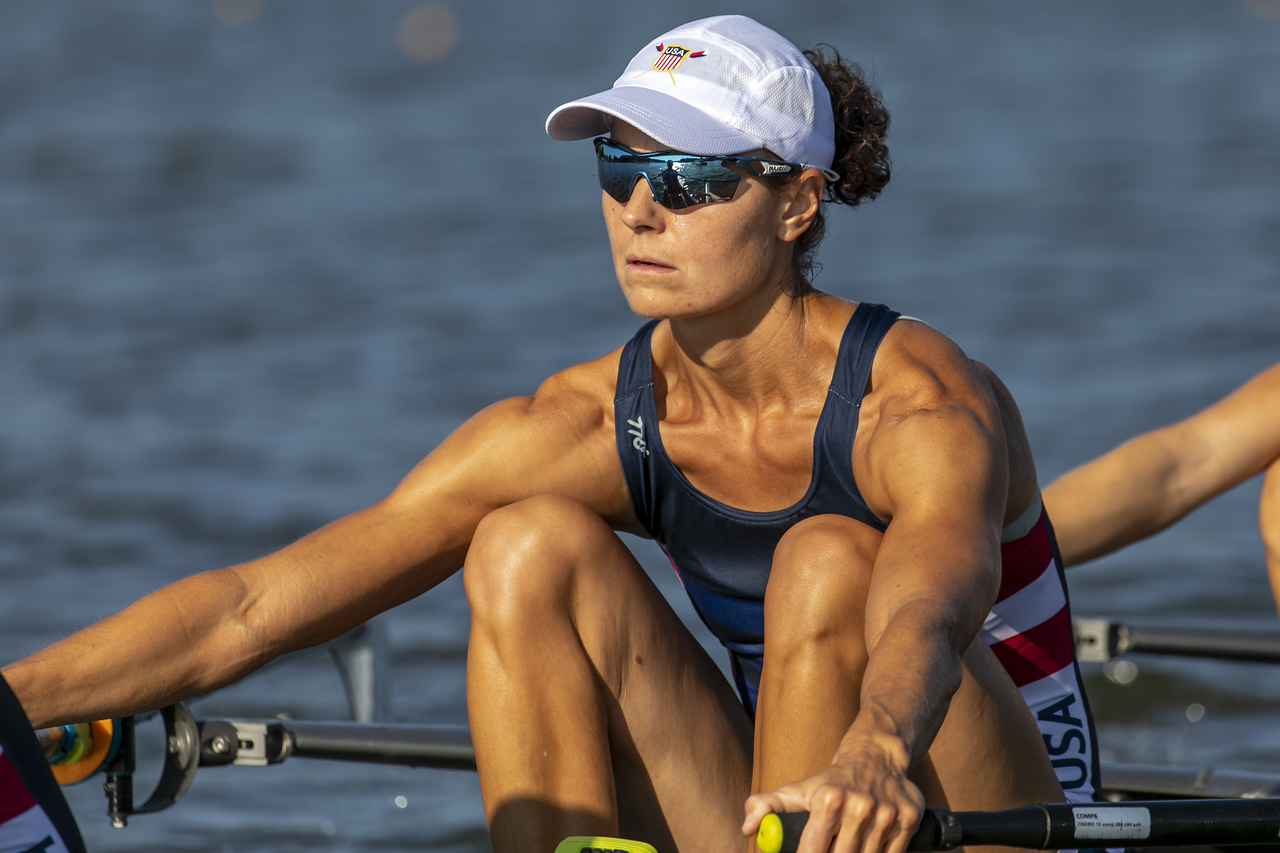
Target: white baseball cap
x=720 y=85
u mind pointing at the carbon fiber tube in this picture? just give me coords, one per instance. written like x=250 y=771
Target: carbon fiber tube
x=1160 y=823
x=446 y=747
x=1153 y=823
x=1260 y=645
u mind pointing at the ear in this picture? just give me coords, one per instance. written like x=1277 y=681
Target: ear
x=798 y=204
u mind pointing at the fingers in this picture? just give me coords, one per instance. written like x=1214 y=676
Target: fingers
x=907 y=823
x=889 y=829
x=777 y=802
x=875 y=825
x=836 y=814
x=844 y=821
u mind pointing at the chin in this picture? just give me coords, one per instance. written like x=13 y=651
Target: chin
x=651 y=305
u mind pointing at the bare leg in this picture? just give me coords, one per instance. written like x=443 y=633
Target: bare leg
x=590 y=704
x=988 y=753
x=1269 y=524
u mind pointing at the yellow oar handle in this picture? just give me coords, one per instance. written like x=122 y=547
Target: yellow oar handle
x=601 y=844
x=780 y=833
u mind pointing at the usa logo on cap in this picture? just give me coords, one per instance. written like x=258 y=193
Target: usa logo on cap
x=670 y=57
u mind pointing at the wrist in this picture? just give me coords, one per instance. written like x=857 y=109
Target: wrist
x=866 y=737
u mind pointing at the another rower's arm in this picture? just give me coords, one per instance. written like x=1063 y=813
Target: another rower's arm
x=936 y=462
x=210 y=629
x=1152 y=481
x=1269 y=523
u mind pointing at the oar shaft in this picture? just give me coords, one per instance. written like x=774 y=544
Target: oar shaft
x=446 y=747
x=1262 y=646
x=1155 y=823
x=1099 y=640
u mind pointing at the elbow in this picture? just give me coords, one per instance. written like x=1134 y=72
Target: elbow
x=225 y=628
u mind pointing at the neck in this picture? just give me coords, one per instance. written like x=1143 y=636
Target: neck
x=766 y=348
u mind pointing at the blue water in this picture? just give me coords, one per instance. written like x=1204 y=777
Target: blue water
x=249 y=275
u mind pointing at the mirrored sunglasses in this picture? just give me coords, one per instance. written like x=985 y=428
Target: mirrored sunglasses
x=679 y=180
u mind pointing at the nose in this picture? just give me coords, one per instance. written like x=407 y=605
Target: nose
x=641 y=211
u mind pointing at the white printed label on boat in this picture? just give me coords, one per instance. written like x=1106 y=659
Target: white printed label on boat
x=1110 y=822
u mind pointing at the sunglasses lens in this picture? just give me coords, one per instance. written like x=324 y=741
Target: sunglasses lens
x=617 y=179
x=698 y=182
x=677 y=181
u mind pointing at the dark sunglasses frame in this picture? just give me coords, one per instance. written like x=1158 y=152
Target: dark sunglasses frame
x=678 y=180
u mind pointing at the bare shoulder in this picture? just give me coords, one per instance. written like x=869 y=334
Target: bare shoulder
x=931 y=428
x=919 y=369
x=579 y=398
x=557 y=441
x=569 y=407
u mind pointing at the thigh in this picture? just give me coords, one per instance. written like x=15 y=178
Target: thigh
x=602 y=666
x=680 y=739
x=988 y=753
x=815 y=651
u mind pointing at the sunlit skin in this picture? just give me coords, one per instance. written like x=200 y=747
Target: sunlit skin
x=698 y=262
x=593 y=711
x=723 y=271
x=1150 y=482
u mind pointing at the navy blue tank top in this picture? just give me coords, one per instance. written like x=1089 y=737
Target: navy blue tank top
x=723 y=554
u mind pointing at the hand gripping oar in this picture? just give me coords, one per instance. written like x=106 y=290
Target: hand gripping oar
x=78 y=752
x=1154 y=823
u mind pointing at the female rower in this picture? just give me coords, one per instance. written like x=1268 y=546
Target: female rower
x=849 y=500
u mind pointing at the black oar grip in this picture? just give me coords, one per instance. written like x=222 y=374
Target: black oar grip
x=929 y=835
x=1153 y=823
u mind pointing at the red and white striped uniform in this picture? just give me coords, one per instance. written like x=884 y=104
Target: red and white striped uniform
x=1029 y=629
x=24 y=826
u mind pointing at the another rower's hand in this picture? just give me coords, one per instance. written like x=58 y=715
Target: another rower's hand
x=863 y=804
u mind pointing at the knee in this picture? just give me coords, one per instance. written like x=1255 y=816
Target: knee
x=1269 y=514
x=819 y=579
x=522 y=557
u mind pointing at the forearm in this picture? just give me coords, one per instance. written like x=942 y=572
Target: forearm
x=912 y=672
x=210 y=629
x=1122 y=497
x=1147 y=484
x=180 y=641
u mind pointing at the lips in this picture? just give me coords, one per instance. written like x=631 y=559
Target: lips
x=646 y=263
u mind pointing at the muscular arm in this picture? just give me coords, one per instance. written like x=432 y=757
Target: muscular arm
x=213 y=628
x=931 y=456
x=936 y=464
x=1149 y=482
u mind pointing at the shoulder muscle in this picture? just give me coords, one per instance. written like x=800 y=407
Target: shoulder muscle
x=931 y=426
x=558 y=441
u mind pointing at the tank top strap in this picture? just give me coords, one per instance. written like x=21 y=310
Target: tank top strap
x=635 y=369
x=867 y=328
x=634 y=419
x=839 y=426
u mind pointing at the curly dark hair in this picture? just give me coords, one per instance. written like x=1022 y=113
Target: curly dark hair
x=861 y=157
